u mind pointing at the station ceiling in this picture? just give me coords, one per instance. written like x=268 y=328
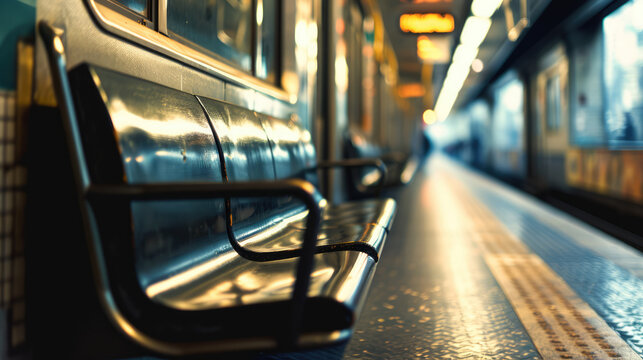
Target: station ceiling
x=492 y=51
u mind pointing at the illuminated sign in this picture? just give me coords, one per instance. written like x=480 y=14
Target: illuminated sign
x=436 y=50
x=427 y=23
x=412 y=90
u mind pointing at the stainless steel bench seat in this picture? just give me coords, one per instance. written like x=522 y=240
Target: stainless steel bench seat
x=178 y=274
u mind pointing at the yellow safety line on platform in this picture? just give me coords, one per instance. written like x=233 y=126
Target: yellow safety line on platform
x=560 y=324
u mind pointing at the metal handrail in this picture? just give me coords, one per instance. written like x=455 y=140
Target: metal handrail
x=358 y=162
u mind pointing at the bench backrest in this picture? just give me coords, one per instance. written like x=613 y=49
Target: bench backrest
x=165 y=135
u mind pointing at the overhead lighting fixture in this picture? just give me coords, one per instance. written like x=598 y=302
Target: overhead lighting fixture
x=429 y=117
x=464 y=54
x=457 y=74
x=464 y=60
x=435 y=51
x=485 y=8
x=427 y=23
x=477 y=65
x=474 y=31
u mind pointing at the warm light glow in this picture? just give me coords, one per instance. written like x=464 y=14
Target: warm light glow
x=58 y=45
x=477 y=65
x=485 y=8
x=301 y=33
x=464 y=54
x=259 y=12
x=341 y=73
x=427 y=23
x=290 y=82
x=456 y=75
x=474 y=31
x=339 y=26
x=341 y=67
x=125 y=120
x=369 y=25
x=429 y=117
x=413 y=90
x=427 y=50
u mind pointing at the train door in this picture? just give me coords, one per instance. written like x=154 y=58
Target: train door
x=552 y=111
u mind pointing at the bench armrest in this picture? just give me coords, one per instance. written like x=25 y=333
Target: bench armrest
x=359 y=162
x=298 y=188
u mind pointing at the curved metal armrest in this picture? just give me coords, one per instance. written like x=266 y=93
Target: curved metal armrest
x=301 y=189
x=359 y=162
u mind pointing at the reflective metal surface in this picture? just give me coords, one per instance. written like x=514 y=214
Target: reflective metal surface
x=182 y=255
x=248 y=156
x=259 y=147
x=288 y=152
x=289 y=234
x=240 y=96
x=233 y=281
x=244 y=142
x=164 y=136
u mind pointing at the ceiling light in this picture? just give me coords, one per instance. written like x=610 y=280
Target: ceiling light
x=433 y=50
x=477 y=65
x=464 y=54
x=429 y=117
x=422 y=23
x=485 y=8
x=474 y=31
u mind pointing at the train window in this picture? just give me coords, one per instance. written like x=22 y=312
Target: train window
x=267 y=46
x=140 y=7
x=236 y=40
x=623 y=66
x=587 y=100
x=221 y=27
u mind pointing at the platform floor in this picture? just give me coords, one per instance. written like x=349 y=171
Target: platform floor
x=474 y=269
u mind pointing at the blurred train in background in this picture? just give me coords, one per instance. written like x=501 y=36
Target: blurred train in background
x=563 y=116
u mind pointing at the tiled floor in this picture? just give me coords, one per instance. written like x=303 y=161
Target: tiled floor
x=475 y=270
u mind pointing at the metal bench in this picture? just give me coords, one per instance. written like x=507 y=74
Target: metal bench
x=205 y=228
x=366 y=182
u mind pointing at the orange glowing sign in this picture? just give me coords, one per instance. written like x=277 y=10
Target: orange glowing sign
x=435 y=50
x=427 y=23
x=412 y=90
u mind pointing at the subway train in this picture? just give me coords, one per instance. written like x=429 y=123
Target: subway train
x=164 y=104
x=563 y=116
